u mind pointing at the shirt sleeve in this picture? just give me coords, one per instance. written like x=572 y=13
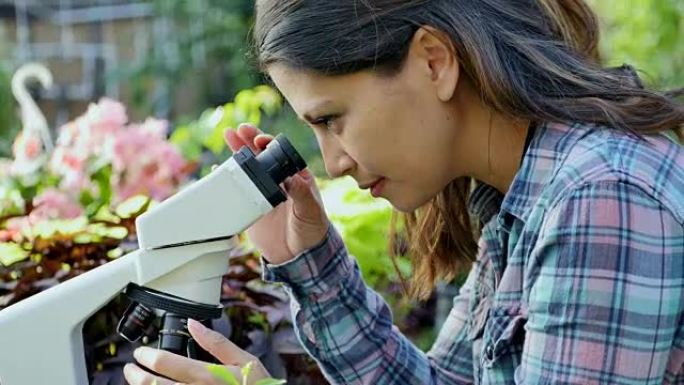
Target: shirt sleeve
x=606 y=301
x=347 y=327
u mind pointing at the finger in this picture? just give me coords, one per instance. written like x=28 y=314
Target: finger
x=247 y=133
x=134 y=375
x=172 y=365
x=306 y=175
x=233 y=140
x=262 y=140
x=306 y=205
x=219 y=346
x=311 y=181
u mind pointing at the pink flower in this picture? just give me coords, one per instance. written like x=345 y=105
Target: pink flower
x=142 y=160
x=31 y=148
x=10 y=236
x=92 y=133
x=71 y=166
x=86 y=141
x=65 y=159
x=103 y=120
x=145 y=163
x=68 y=134
x=54 y=204
x=27 y=150
x=156 y=127
x=107 y=112
x=5 y=167
x=18 y=225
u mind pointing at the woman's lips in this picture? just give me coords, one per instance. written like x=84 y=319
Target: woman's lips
x=376 y=188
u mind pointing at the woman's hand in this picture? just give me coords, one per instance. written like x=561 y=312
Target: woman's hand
x=175 y=370
x=297 y=224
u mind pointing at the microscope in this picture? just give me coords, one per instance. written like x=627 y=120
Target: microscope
x=184 y=244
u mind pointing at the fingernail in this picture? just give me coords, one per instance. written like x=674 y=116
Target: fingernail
x=196 y=327
x=143 y=354
x=128 y=368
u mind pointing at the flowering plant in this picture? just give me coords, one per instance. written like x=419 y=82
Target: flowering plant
x=136 y=155
x=66 y=211
x=99 y=159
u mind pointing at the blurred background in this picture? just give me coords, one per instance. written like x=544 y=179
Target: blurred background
x=164 y=78
x=173 y=59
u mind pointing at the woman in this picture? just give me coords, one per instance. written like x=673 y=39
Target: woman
x=487 y=117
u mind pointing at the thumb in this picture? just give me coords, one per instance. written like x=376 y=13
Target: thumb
x=306 y=205
x=217 y=345
x=311 y=181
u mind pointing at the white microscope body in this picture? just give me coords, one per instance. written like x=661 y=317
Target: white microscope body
x=184 y=246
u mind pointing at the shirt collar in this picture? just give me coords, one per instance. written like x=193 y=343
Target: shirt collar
x=547 y=151
x=484 y=202
x=548 y=148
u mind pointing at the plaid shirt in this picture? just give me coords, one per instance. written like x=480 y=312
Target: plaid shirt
x=579 y=278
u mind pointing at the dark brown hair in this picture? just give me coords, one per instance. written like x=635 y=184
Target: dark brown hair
x=531 y=59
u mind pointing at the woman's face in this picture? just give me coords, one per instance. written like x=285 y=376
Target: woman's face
x=391 y=133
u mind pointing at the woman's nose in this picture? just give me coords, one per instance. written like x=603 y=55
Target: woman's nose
x=337 y=162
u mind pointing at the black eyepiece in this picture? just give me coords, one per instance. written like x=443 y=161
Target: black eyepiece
x=135 y=321
x=280 y=159
x=174 y=336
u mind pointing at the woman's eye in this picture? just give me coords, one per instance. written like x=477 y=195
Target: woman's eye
x=325 y=121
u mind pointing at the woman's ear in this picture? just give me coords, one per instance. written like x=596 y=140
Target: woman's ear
x=437 y=56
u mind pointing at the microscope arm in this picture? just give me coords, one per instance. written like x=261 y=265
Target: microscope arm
x=41 y=339
x=184 y=246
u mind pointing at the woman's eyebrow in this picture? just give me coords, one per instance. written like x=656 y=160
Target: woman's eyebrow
x=307 y=116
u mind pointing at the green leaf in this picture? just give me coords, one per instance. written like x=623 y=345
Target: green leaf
x=628 y=36
x=115 y=253
x=270 y=99
x=105 y=214
x=215 y=141
x=223 y=374
x=180 y=136
x=11 y=253
x=364 y=223
x=101 y=230
x=102 y=178
x=86 y=198
x=245 y=372
x=86 y=238
x=132 y=205
x=244 y=100
x=259 y=318
x=270 y=381
x=48 y=229
x=189 y=146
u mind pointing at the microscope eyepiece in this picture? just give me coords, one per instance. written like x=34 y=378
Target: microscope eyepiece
x=280 y=159
x=174 y=335
x=135 y=322
x=270 y=168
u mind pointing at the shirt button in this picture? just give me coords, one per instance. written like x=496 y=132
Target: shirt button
x=488 y=361
x=489 y=352
x=308 y=331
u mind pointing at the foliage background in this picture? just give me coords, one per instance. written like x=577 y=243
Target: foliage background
x=648 y=34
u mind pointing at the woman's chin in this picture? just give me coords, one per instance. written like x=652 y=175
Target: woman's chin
x=405 y=205
x=410 y=201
